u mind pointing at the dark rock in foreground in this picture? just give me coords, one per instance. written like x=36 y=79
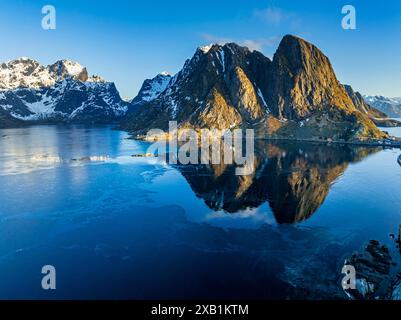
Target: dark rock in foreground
x=377 y=274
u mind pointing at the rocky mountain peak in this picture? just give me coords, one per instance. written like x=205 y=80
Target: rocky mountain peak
x=206 y=49
x=23 y=72
x=61 y=91
x=152 y=88
x=67 y=68
x=358 y=100
x=22 y=62
x=29 y=73
x=296 y=94
x=296 y=53
x=165 y=74
x=303 y=81
x=96 y=79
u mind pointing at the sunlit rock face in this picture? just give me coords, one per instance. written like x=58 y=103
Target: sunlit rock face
x=295 y=95
x=293 y=179
x=215 y=88
x=303 y=80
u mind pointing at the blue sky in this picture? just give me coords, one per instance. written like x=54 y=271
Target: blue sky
x=128 y=41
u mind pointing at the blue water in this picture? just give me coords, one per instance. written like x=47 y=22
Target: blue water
x=115 y=226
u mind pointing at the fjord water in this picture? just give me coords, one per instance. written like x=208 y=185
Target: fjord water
x=116 y=226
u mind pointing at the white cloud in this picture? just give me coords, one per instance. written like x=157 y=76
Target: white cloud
x=214 y=39
x=273 y=15
x=259 y=44
x=253 y=45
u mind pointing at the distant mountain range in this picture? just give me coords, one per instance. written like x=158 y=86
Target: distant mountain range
x=62 y=91
x=377 y=115
x=294 y=95
x=390 y=106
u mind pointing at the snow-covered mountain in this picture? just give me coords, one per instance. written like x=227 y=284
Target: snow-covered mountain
x=28 y=73
x=151 y=89
x=390 y=106
x=62 y=91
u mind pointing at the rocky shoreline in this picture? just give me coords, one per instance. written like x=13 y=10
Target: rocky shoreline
x=378 y=143
x=396 y=143
x=378 y=271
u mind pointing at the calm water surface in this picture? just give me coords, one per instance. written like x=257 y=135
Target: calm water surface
x=115 y=226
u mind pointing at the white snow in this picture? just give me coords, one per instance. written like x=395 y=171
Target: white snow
x=77 y=110
x=221 y=58
x=206 y=49
x=380 y=99
x=6 y=106
x=28 y=73
x=229 y=47
x=214 y=66
x=73 y=68
x=260 y=94
x=41 y=88
x=165 y=73
x=43 y=106
x=174 y=108
x=158 y=85
x=96 y=79
x=24 y=72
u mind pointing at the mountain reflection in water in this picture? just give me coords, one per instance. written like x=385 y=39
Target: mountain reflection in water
x=293 y=178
